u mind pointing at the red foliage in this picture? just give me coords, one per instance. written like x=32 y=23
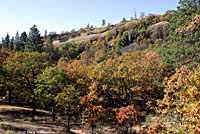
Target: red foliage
x=127 y=116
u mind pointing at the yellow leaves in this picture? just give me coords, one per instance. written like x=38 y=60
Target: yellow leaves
x=193 y=92
x=93 y=87
x=136 y=88
x=182 y=96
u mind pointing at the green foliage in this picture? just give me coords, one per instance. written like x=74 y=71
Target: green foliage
x=68 y=99
x=51 y=50
x=11 y=45
x=25 y=67
x=132 y=77
x=20 y=41
x=17 y=42
x=71 y=50
x=122 y=41
x=185 y=13
x=177 y=55
x=6 y=42
x=49 y=83
x=109 y=86
x=34 y=42
x=23 y=37
x=103 y=22
x=108 y=36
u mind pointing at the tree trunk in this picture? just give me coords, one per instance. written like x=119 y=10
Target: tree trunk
x=68 y=122
x=53 y=111
x=68 y=119
x=93 y=128
x=126 y=132
x=9 y=96
x=33 y=109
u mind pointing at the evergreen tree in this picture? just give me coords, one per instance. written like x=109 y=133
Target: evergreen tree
x=23 y=40
x=91 y=27
x=23 y=37
x=103 y=22
x=189 y=5
x=48 y=48
x=17 y=38
x=11 y=45
x=123 y=20
x=17 y=42
x=2 y=40
x=49 y=45
x=45 y=34
x=142 y=15
x=34 y=42
x=88 y=26
x=135 y=14
x=7 y=41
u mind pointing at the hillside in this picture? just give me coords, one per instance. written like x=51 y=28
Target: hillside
x=86 y=35
x=105 y=42
x=139 y=76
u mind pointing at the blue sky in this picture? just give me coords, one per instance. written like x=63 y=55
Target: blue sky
x=63 y=15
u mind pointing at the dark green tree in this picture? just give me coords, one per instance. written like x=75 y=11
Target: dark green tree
x=7 y=39
x=34 y=42
x=17 y=42
x=23 y=37
x=50 y=82
x=49 y=48
x=23 y=40
x=123 y=20
x=45 y=34
x=189 y=4
x=11 y=44
x=103 y=22
x=88 y=26
x=3 y=42
x=68 y=100
x=25 y=67
x=6 y=42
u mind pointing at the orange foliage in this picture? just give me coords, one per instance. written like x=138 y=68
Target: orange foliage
x=127 y=116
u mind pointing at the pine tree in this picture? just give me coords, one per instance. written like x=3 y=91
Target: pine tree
x=45 y=34
x=49 y=45
x=23 y=37
x=189 y=4
x=11 y=45
x=34 y=42
x=123 y=20
x=7 y=41
x=3 y=40
x=17 y=38
x=103 y=22
x=23 y=40
x=17 y=42
x=88 y=26
x=142 y=15
x=135 y=14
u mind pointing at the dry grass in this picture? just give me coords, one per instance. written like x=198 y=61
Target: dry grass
x=4 y=108
x=96 y=33
x=18 y=120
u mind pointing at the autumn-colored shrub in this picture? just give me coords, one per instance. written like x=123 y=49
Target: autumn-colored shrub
x=180 y=105
x=127 y=116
